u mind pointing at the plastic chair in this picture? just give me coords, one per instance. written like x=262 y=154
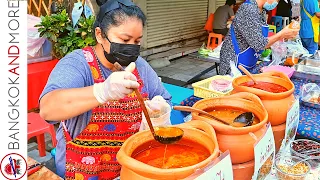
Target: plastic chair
x=285 y=21
x=209 y=24
x=277 y=21
x=270 y=34
x=214 y=40
x=36 y=128
x=272 y=28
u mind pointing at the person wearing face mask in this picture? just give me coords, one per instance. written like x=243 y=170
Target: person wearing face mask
x=248 y=35
x=96 y=106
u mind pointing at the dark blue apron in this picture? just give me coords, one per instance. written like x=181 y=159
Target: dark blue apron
x=249 y=57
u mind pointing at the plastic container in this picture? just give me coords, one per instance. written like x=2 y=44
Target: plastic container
x=284 y=69
x=300 y=147
x=287 y=162
x=202 y=88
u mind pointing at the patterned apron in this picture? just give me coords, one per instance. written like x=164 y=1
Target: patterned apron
x=249 y=57
x=92 y=154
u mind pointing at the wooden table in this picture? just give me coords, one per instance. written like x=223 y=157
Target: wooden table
x=43 y=173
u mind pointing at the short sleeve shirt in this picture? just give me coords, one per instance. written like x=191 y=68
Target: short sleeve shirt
x=221 y=16
x=312 y=7
x=248 y=23
x=73 y=71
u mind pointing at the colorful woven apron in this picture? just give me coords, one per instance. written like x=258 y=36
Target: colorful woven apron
x=92 y=154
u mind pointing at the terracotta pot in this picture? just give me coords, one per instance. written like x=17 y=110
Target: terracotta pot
x=243 y=171
x=239 y=141
x=277 y=104
x=279 y=133
x=196 y=131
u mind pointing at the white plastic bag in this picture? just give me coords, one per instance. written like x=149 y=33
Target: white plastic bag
x=158 y=118
x=279 y=52
x=235 y=72
x=34 y=41
x=306 y=89
x=296 y=47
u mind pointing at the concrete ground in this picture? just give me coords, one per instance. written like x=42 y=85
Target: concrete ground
x=179 y=72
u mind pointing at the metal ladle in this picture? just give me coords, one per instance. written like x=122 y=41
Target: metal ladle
x=244 y=119
x=164 y=135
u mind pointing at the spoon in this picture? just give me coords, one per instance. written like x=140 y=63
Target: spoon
x=309 y=158
x=244 y=119
x=247 y=73
x=164 y=135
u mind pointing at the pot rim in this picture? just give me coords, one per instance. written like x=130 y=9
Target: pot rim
x=140 y=167
x=261 y=93
x=230 y=130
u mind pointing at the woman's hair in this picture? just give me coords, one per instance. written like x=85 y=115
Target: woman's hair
x=231 y=2
x=117 y=16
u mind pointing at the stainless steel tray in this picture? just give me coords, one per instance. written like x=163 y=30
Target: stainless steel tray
x=307 y=72
x=306 y=100
x=310 y=62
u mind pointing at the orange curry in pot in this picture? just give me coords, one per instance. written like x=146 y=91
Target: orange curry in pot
x=181 y=154
x=266 y=86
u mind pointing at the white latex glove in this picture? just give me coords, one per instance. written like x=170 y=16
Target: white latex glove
x=116 y=86
x=159 y=112
x=157 y=106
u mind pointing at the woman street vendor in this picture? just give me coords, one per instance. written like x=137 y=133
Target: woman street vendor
x=248 y=35
x=96 y=106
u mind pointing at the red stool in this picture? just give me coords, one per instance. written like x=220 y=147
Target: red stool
x=214 y=40
x=37 y=127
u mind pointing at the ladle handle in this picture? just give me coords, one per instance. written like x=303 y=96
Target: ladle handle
x=140 y=99
x=191 y=109
x=247 y=73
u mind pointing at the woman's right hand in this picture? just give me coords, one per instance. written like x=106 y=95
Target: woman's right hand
x=116 y=86
x=288 y=33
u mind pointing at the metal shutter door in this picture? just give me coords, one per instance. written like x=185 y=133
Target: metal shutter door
x=171 y=21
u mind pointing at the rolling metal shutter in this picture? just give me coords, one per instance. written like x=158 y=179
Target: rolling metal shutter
x=171 y=21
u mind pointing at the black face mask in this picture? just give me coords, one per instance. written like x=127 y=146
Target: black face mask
x=124 y=54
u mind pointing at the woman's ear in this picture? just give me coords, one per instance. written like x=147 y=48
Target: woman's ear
x=98 y=34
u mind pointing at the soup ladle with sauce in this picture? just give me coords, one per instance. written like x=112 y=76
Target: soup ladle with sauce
x=164 y=135
x=242 y=120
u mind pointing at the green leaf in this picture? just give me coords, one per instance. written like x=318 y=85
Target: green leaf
x=64 y=49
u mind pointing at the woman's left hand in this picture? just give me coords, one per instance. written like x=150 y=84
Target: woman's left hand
x=288 y=33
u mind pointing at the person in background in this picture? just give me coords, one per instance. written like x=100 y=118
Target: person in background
x=248 y=35
x=222 y=15
x=284 y=9
x=309 y=30
x=95 y=106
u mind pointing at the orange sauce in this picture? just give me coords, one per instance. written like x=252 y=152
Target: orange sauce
x=168 y=131
x=182 y=154
x=266 y=86
x=229 y=114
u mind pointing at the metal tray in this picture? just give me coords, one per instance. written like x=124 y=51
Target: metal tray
x=306 y=100
x=306 y=72
x=310 y=62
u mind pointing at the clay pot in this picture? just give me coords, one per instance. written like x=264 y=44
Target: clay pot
x=243 y=171
x=196 y=131
x=277 y=104
x=279 y=133
x=239 y=141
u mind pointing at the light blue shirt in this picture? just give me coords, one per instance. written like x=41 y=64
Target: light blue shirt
x=73 y=71
x=311 y=7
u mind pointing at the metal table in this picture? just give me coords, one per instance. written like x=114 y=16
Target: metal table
x=216 y=62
